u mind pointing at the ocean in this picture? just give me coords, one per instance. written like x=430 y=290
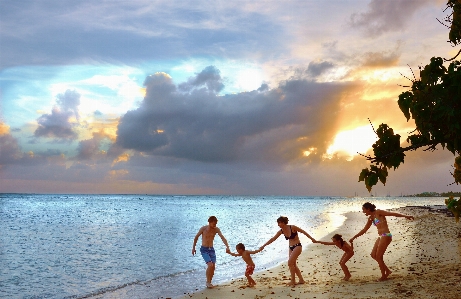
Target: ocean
x=113 y=246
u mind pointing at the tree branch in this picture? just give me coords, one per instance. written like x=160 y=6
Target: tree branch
x=431 y=145
x=459 y=52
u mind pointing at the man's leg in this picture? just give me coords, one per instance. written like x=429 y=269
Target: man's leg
x=209 y=256
x=209 y=274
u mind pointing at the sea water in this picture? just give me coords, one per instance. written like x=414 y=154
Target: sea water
x=99 y=246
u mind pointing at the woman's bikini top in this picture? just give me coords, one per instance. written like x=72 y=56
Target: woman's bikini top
x=375 y=221
x=292 y=236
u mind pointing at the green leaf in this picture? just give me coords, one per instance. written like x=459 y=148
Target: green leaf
x=364 y=174
x=404 y=102
x=382 y=174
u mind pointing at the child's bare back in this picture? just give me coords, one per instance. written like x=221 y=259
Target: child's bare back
x=246 y=256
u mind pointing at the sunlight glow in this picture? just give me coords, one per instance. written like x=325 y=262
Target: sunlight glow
x=143 y=91
x=335 y=74
x=104 y=92
x=348 y=143
x=122 y=158
x=382 y=75
x=311 y=150
x=117 y=173
x=249 y=79
x=4 y=129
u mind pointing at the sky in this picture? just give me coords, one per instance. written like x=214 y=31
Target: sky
x=212 y=97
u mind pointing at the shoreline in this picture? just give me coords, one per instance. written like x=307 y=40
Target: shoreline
x=420 y=251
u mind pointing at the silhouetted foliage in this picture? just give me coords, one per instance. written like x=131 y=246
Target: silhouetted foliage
x=434 y=102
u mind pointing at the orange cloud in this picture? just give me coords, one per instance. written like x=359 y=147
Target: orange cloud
x=117 y=173
x=380 y=59
x=108 y=127
x=4 y=129
x=122 y=158
x=102 y=126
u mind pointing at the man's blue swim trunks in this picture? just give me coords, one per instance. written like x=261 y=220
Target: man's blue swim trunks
x=208 y=254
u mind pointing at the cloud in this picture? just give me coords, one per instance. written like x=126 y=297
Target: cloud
x=316 y=69
x=386 y=16
x=9 y=148
x=90 y=148
x=313 y=71
x=4 y=129
x=381 y=59
x=130 y=32
x=200 y=125
x=59 y=123
x=210 y=77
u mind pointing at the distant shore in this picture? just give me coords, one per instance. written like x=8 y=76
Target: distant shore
x=424 y=257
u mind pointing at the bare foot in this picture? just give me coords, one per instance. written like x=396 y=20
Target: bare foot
x=346 y=278
x=384 y=277
x=301 y=282
x=209 y=285
x=291 y=284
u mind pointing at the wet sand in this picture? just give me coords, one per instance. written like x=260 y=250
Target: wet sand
x=424 y=257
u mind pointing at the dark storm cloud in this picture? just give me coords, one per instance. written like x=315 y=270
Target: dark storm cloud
x=386 y=16
x=203 y=126
x=210 y=77
x=9 y=150
x=315 y=69
x=90 y=148
x=57 y=124
x=263 y=87
x=11 y=153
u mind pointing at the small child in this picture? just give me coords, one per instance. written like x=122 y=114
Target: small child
x=348 y=252
x=246 y=256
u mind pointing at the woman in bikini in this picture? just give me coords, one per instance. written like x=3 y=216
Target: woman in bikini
x=291 y=234
x=378 y=219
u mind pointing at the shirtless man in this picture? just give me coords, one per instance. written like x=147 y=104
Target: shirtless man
x=208 y=232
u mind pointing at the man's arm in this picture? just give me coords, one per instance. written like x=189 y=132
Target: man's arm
x=200 y=231
x=223 y=239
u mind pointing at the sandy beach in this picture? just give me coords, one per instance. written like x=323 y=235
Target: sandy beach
x=424 y=256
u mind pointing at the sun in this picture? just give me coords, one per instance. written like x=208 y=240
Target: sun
x=249 y=79
x=349 y=143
